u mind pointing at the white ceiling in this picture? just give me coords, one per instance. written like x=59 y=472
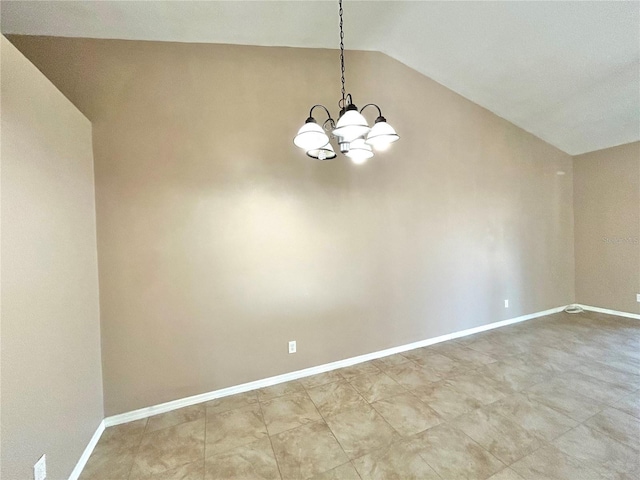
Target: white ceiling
x=568 y=72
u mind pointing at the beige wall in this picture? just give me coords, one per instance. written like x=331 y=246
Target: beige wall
x=219 y=241
x=50 y=352
x=607 y=227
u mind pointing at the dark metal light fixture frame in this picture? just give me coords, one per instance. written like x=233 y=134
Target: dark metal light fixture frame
x=350 y=127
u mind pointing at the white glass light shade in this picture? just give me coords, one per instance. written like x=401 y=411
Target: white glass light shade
x=323 y=153
x=351 y=125
x=359 y=152
x=381 y=136
x=311 y=136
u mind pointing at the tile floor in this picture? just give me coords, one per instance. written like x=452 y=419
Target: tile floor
x=552 y=398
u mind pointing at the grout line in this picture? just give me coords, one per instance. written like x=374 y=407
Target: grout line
x=400 y=436
x=275 y=457
x=204 y=449
x=600 y=432
x=297 y=426
x=324 y=419
x=354 y=468
x=133 y=462
x=582 y=424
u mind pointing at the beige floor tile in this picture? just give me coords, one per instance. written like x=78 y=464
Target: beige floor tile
x=406 y=414
x=321 y=379
x=126 y=434
x=549 y=463
x=307 y=451
x=598 y=451
x=592 y=350
x=625 y=380
x=254 y=461
x=113 y=456
x=625 y=341
x=442 y=348
x=445 y=400
x=334 y=398
x=564 y=400
x=453 y=455
x=175 y=417
x=557 y=359
x=169 y=448
x=343 y=472
x=495 y=347
x=531 y=365
x=462 y=353
x=367 y=368
x=599 y=348
x=590 y=387
x=506 y=474
x=564 y=354
x=189 y=471
x=538 y=419
x=384 y=363
x=291 y=411
x=394 y=462
x=469 y=339
x=361 y=431
x=541 y=363
x=500 y=436
x=234 y=428
x=620 y=426
x=376 y=386
x=623 y=362
x=232 y=402
x=629 y=404
x=279 y=390
x=444 y=366
x=109 y=464
x=482 y=388
x=411 y=375
x=417 y=353
x=512 y=377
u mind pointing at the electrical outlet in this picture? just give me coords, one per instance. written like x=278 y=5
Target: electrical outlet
x=40 y=469
x=638 y=297
x=506 y=304
x=292 y=346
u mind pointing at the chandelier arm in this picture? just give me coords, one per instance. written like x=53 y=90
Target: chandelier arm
x=331 y=126
x=323 y=107
x=372 y=105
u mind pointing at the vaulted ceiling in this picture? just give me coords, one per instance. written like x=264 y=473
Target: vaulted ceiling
x=568 y=72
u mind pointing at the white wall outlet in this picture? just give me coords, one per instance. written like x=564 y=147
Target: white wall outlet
x=638 y=297
x=506 y=304
x=40 y=469
x=292 y=346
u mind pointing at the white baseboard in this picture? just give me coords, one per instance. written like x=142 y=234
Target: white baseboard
x=75 y=474
x=267 y=382
x=635 y=316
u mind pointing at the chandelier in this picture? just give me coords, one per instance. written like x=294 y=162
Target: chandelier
x=352 y=133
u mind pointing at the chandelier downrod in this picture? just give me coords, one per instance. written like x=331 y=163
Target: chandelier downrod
x=342 y=105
